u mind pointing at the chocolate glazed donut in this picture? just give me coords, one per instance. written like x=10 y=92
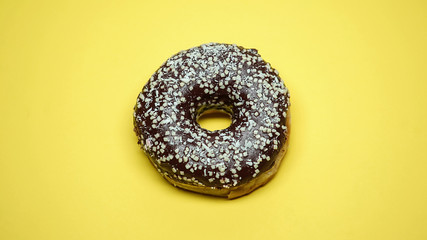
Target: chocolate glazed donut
x=230 y=162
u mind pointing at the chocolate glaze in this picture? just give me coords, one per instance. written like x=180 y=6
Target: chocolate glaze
x=221 y=76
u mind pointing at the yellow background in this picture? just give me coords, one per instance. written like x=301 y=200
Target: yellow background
x=70 y=72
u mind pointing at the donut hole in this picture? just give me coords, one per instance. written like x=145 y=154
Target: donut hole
x=214 y=119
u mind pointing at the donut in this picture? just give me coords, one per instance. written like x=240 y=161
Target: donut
x=229 y=162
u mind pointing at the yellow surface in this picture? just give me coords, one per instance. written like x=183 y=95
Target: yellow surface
x=70 y=72
x=214 y=120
